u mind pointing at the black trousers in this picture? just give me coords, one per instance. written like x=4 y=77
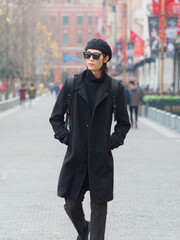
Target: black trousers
x=135 y=110
x=98 y=216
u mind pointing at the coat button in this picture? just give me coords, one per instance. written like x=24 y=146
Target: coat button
x=87 y=125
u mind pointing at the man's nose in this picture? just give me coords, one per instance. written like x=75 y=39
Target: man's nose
x=91 y=57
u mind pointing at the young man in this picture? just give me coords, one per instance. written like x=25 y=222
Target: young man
x=135 y=98
x=88 y=163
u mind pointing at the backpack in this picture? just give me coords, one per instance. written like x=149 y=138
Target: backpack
x=70 y=87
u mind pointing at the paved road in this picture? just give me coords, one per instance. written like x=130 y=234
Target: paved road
x=147 y=181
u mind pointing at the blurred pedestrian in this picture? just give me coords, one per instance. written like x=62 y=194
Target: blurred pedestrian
x=22 y=94
x=126 y=91
x=141 y=99
x=32 y=94
x=135 y=98
x=51 y=87
x=56 y=89
x=41 y=88
x=88 y=163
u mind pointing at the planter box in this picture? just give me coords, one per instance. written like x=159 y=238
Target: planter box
x=168 y=106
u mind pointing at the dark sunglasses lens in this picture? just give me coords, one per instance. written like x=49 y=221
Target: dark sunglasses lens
x=96 y=56
x=87 y=55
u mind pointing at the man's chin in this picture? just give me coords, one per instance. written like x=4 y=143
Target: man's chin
x=90 y=68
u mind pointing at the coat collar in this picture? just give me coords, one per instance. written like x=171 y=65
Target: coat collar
x=81 y=89
x=79 y=81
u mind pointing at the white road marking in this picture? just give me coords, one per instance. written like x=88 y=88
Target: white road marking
x=8 y=112
x=161 y=129
x=14 y=109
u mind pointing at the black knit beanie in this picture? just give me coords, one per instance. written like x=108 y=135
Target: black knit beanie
x=100 y=45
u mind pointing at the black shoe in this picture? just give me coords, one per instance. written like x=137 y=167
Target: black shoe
x=86 y=231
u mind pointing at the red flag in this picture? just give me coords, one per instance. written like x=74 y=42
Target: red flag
x=4 y=85
x=172 y=9
x=138 y=44
x=178 y=25
x=99 y=35
x=156 y=7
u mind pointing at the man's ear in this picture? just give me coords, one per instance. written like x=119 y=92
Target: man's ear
x=106 y=58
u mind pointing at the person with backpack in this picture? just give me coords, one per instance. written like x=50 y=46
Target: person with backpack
x=126 y=91
x=82 y=118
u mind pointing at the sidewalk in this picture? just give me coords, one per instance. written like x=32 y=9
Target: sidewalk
x=146 y=203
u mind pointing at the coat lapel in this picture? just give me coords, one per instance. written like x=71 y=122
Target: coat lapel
x=80 y=86
x=104 y=92
x=82 y=92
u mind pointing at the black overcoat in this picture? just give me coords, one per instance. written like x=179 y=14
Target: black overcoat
x=89 y=140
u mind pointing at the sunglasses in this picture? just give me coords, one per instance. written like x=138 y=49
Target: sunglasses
x=95 y=55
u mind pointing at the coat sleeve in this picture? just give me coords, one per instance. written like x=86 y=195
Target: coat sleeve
x=57 y=118
x=123 y=125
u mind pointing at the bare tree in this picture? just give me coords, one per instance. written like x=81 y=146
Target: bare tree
x=16 y=40
x=23 y=38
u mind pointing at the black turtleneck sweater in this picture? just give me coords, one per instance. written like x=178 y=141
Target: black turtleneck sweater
x=92 y=86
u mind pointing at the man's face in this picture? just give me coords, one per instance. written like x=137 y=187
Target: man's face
x=93 y=64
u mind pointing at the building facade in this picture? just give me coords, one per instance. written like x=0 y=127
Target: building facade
x=72 y=23
x=149 y=71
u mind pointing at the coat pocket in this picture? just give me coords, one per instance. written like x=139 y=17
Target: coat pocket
x=65 y=139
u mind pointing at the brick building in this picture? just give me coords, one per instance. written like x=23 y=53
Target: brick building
x=72 y=23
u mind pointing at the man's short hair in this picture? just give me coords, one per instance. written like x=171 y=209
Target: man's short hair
x=132 y=82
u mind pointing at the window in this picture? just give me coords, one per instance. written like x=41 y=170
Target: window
x=66 y=20
x=53 y=19
x=79 y=20
x=65 y=38
x=89 y=20
x=79 y=38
